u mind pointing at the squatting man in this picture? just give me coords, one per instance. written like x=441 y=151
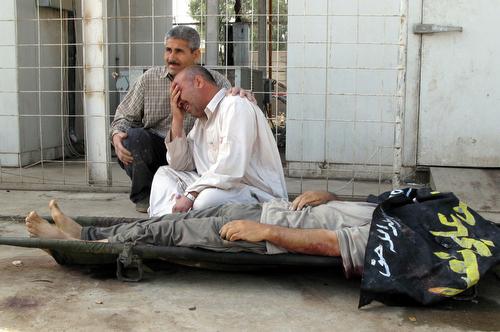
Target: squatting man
x=316 y=223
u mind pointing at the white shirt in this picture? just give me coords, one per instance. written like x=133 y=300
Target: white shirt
x=233 y=146
x=350 y=221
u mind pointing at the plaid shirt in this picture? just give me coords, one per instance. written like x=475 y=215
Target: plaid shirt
x=147 y=104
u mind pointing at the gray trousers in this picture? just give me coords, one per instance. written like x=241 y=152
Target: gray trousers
x=196 y=229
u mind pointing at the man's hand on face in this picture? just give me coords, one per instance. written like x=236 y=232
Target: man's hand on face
x=182 y=204
x=244 y=230
x=121 y=152
x=175 y=102
x=234 y=91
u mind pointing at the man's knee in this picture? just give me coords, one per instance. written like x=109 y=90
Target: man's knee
x=164 y=178
x=137 y=139
x=209 y=197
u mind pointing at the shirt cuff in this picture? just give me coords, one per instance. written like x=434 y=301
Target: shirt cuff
x=113 y=133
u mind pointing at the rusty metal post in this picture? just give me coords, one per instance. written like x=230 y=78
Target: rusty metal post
x=95 y=88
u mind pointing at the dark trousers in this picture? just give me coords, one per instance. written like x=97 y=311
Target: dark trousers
x=149 y=154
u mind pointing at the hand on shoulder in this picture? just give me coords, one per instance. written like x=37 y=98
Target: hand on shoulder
x=237 y=91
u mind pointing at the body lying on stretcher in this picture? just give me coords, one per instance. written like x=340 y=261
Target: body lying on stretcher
x=316 y=223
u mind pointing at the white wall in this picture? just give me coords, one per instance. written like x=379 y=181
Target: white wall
x=9 y=119
x=343 y=67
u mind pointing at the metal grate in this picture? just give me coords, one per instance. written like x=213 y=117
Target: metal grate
x=329 y=74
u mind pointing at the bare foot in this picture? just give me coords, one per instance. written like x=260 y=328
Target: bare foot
x=65 y=223
x=38 y=227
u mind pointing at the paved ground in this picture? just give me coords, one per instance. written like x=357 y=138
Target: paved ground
x=40 y=295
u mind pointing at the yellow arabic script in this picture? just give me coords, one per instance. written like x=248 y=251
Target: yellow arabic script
x=471 y=247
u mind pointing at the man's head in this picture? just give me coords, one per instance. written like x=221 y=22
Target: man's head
x=197 y=87
x=182 y=48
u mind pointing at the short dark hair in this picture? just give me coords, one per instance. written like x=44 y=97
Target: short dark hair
x=185 y=33
x=192 y=71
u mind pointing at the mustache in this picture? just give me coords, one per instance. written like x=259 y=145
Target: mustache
x=173 y=63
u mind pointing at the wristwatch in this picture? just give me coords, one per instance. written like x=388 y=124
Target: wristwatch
x=190 y=197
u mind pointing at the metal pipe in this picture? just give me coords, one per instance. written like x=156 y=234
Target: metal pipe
x=95 y=89
x=180 y=254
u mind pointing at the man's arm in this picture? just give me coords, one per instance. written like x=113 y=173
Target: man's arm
x=177 y=128
x=312 y=198
x=179 y=154
x=321 y=242
x=128 y=114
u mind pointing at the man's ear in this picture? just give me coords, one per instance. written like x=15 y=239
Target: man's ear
x=198 y=82
x=197 y=55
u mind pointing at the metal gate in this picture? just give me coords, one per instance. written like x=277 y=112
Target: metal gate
x=460 y=95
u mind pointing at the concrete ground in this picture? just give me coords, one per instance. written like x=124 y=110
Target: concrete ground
x=39 y=295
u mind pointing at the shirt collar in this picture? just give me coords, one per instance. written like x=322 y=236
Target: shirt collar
x=214 y=102
x=165 y=74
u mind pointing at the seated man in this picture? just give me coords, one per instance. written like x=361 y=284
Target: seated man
x=230 y=155
x=331 y=228
x=142 y=118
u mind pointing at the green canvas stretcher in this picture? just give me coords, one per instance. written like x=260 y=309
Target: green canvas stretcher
x=128 y=256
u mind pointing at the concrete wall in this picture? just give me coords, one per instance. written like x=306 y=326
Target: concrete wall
x=343 y=67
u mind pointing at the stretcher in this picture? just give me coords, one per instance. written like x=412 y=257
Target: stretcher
x=129 y=257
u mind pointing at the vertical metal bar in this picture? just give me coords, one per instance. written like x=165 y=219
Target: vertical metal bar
x=129 y=44
x=18 y=95
x=61 y=96
x=325 y=114
x=40 y=122
x=152 y=33
x=212 y=29
x=270 y=29
x=262 y=35
x=96 y=111
x=398 y=129
x=356 y=100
